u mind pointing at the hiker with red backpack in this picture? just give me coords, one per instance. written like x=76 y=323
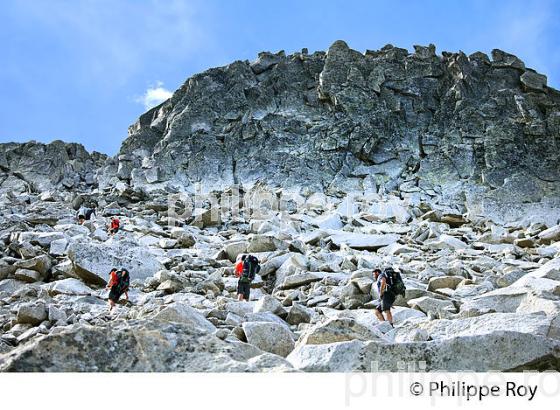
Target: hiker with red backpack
x=389 y=286
x=119 y=282
x=246 y=269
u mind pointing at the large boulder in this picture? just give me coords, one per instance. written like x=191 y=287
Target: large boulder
x=27 y=275
x=299 y=314
x=69 y=286
x=438 y=307
x=297 y=280
x=269 y=303
x=265 y=243
x=446 y=242
x=550 y=235
x=270 y=337
x=43 y=239
x=58 y=247
x=233 y=249
x=332 y=357
x=184 y=314
x=363 y=241
x=40 y=264
x=203 y=218
x=497 y=351
x=444 y=282
x=31 y=313
x=137 y=346
x=92 y=261
x=329 y=221
x=338 y=330
x=534 y=324
x=533 y=81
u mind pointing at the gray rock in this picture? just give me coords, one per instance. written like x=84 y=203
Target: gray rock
x=415 y=335
x=449 y=282
x=141 y=347
x=338 y=330
x=184 y=314
x=299 y=314
x=362 y=241
x=69 y=286
x=434 y=306
x=233 y=249
x=499 y=351
x=93 y=262
x=206 y=217
x=270 y=337
x=551 y=234
x=31 y=313
x=27 y=275
x=58 y=247
x=265 y=243
x=268 y=303
x=446 y=242
x=57 y=315
x=533 y=81
x=268 y=362
x=298 y=280
x=40 y=264
x=44 y=166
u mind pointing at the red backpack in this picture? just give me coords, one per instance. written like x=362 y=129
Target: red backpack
x=115 y=223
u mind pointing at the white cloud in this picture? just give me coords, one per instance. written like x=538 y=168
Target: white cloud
x=154 y=95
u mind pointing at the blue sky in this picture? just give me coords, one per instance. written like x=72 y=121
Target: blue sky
x=83 y=71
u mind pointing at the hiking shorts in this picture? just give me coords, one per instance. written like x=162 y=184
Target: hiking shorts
x=114 y=230
x=387 y=301
x=244 y=288
x=115 y=295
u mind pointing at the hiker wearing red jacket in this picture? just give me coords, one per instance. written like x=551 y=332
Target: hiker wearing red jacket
x=114 y=225
x=245 y=270
x=243 y=289
x=119 y=282
x=112 y=285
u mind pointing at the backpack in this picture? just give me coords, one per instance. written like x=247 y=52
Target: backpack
x=123 y=280
x=250 y=268
x=395 y=283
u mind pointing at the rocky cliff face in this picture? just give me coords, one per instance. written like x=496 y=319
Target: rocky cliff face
x=483 y=132
x=443 y=167
x=36 y=167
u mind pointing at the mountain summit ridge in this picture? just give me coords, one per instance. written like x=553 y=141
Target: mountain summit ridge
x=484 y=132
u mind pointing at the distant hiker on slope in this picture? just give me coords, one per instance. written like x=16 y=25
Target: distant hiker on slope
x=84 y=214
x=114 y=225
x=389 y=286
x=119 y=282
x=245 y=270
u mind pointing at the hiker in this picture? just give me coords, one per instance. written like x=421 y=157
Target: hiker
x=387 y=296
x=84 y=214
x=114 y=225
x=90 y=212
x=119 y=282
x=245 y=270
